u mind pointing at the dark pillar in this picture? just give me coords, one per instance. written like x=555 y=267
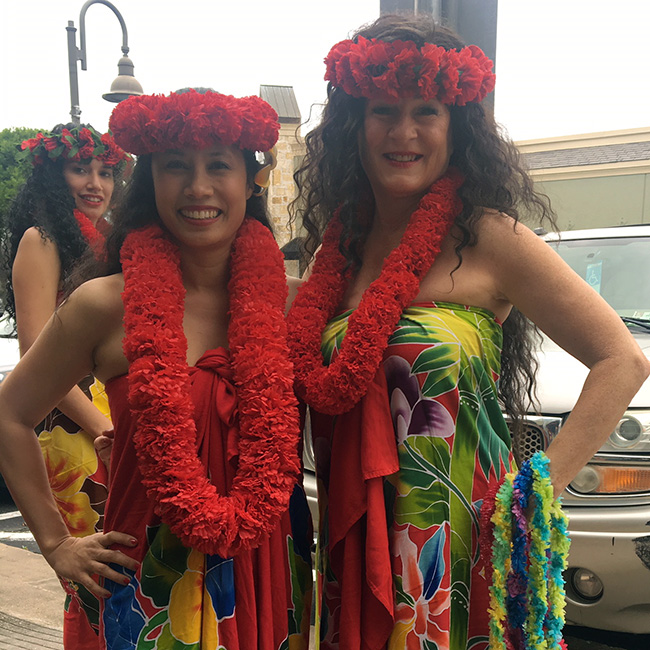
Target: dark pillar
x=431 y=7
x=475 y=21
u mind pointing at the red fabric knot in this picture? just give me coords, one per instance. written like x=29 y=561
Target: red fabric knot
x=215 y=367
x=218 y=361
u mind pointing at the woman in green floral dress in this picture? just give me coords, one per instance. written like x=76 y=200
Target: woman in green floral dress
x=405 y=342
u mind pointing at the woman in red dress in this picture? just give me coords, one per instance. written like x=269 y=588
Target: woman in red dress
x=188 y=333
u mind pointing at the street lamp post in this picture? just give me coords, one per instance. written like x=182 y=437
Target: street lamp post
x=124 y=85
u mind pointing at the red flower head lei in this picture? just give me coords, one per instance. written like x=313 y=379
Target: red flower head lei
x=390 y=70
x=194 y=120
x=337 y=388
x=165 y=440
x=78 y=144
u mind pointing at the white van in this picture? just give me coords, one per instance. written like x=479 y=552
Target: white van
x=608 y=503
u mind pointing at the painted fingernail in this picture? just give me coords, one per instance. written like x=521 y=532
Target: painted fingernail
x=126 y=581
x=133 y=541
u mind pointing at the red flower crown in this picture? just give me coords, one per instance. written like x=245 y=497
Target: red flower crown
x=77 y=144
x=194 y=120
x=377 y=69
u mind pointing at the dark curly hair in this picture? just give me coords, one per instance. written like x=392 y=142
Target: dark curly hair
x=331 y=177
x=138 y=208
x=44 y=202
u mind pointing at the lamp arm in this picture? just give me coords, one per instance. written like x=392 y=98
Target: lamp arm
x=81 y=52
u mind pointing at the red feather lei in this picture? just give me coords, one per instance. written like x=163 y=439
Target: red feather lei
x=93 y=237
x=337 y=388
x=165 y=439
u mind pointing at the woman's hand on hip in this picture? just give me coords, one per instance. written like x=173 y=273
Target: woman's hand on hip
x=80 y=558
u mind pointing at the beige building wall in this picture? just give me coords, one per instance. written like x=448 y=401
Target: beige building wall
x=600 y=201
x=594 y=195
x=282 y=191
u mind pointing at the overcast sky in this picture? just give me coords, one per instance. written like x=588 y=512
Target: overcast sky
x=563 y=66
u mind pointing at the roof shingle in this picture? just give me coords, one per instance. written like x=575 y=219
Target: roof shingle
x=283 y=100
x=602 y=155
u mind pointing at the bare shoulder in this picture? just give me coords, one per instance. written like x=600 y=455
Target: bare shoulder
x=96 y=309
x=99 y=299
x=494 y=226
x=33 y=237
x=506 y=242
x=34 y=243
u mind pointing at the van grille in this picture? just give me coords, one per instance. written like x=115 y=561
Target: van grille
x=536 y=434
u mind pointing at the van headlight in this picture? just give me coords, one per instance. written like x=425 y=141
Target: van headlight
x=602 y=478
x=632 y=433
x=623 y=475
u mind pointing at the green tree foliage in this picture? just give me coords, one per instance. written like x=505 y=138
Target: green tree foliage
x=13 y=172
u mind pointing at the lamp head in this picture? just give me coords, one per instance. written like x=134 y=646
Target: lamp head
x=125 y=83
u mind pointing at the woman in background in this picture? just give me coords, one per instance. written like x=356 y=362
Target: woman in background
x=56 y=217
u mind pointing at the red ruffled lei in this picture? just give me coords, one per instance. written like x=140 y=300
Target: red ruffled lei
x=165 y=439
x=337 y=388
x=389 y=70
x=95 y=239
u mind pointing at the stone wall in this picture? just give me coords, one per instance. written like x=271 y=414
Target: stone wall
x=282 y=191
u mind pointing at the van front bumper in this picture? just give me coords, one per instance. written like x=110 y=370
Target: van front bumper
x=613 y=543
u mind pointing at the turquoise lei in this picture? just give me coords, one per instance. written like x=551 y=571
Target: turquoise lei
x=527 y=596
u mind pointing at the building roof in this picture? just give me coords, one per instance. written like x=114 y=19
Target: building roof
x=598 y=155
x=283 y=100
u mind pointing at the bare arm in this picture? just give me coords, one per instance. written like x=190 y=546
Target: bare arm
x=36 y=275
x=62 y=354
x=531 y=276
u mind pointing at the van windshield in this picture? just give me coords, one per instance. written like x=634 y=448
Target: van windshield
x=618 y=269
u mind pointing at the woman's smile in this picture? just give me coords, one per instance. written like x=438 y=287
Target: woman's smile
x=402 y=159
x=200 y=213
x=92 y=198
